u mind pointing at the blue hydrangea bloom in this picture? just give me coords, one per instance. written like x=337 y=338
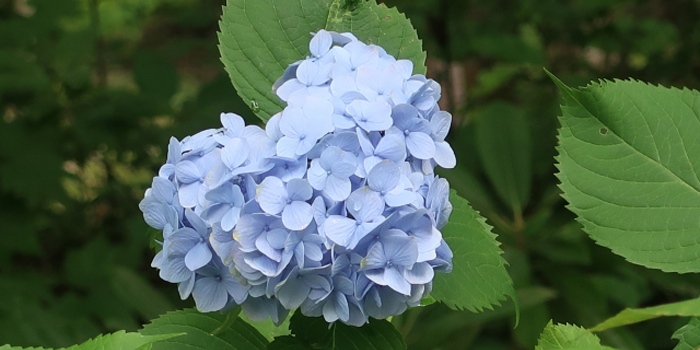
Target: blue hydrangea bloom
x=333 y=208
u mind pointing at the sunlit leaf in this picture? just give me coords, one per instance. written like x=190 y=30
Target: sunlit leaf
x=629 y=161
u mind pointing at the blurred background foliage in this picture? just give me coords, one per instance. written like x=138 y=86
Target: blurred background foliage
x=91 y=90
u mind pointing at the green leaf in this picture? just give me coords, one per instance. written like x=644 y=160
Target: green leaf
x=630 y=316
x=688 y=336
x=479 y=279
x=628 y=161
x=568 y=337
x=116 y=341
x=199 y=328
x=314 y=333
x=268 y=329
x=258 y=39
x=505 y=149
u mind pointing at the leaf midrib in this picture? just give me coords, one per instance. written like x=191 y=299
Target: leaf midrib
x=695 y=190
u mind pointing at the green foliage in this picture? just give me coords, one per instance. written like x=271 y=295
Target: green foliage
x=479 y=279
x=259 y=39
x=630 y=316
x=688 y=336
x=568 y=337
x=506 y=152
x=199 y=328
x=315 y=333
x=116 y=341
x=626 y=161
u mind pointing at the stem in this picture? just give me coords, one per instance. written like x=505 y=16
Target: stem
x=231 y=317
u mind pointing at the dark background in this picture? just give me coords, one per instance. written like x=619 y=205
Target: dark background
x=91 y=90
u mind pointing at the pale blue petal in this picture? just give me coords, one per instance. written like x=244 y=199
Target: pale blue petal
x=264 y=247
x=420 y=145
x=317 y=175
x=188 y=194
x=400 y=198
x=209 y=295
x=229 y=220
x=299 y=190
x=185 y=288
x=263 y=264
x=343 y=169
x=197 y=223
x=235 y=152
x=401 y=251
x=384 y=177
x=287 y=147
x=175 y=271
x=198 y=256
x=277 y=237
x=395 y=280
x=292 y=291
x=319 y=45
x=233 y=123
x=339 y=229
x=288 y=88
x=338 y=188
x=444 y=155
x=297 y=215
x=391 y=147
x=234 y=288
x=421 y=273
x=375 y=258
x=330 y=156
x=440 y=124
x=271 y=195
x=187 y=172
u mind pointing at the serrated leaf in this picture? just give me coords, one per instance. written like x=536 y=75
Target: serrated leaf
x=505 y=149
x=116 y=341
x=629 y=316
x=268 y=329
x=629 y=159
x=315 y=333
x=688 y=336
x=479 y=279
x=568 y=337
x=258 y=39
x=199 y=328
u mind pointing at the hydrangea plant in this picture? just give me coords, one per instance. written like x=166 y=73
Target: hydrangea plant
x=333 y=208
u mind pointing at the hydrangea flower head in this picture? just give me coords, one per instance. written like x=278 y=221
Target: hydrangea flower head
x=333 y=208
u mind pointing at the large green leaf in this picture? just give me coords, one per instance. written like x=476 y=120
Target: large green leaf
x=568 y=337
x=116 y=341
x=479 y=279
x=315 y=333
x=260 y=38
x=630 y=316
x=688 y=336
x=203 y=332
x=629 y=159
x=504 y=146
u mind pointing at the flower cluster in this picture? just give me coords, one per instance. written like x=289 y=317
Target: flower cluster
x=333 y=208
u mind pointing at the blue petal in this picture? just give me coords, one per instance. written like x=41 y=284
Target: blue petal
x=297 y=215
x=317 y=175
x=444 y=155
x=384 y=177
x=395 y=280
x=375 y=258
x=198 y=256
x=235 y=152
x=187 y=172
x=320 y=43
x=340 y=230
x=338 y=188
x=391 y=147
x=299 y=190
x=421 y=273
x=264 y=247
x=292 y=291
x=272 y=195
x=209 y=295
x=420 y=145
